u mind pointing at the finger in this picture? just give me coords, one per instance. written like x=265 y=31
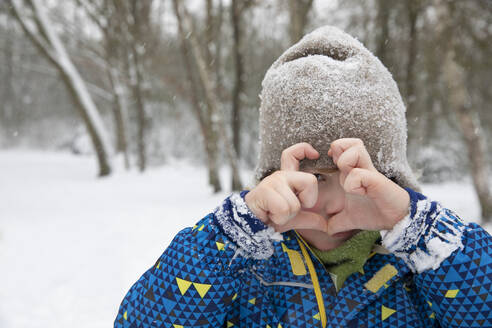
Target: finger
x=291 y=156
x=278 y=209
x=291 y=199
x=361 y=182
x=305 y=220
x=257 y=205
x=358 y=155
x=349 y=159
x=340 y=222
x=305 y=186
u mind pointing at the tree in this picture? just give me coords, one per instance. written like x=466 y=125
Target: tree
x=298 y=11
x=8 y=111
x=217 y=121
x=204 y=117
x=39 y=30
x=237 y=11
x=413 y=9
x=382 y=31
x=104 y=15
x=462 y=104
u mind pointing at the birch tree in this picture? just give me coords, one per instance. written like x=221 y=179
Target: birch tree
x=38 y=28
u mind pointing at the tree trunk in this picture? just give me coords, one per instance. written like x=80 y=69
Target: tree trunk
x=139 y=12
x=119 y=113
x=9 y=115
x=114 y=47
x=218 y=52
x=382 y=38
x=209 y=32
x=217 y=120
x=412 y=12
x=49 y=44
x=237 y=9
x=298 y=10
x=472 y=133
x=204 y=120
x=137 y=78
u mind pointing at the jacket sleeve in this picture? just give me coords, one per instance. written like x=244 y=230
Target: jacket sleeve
x=451 y=260
x=197 y=278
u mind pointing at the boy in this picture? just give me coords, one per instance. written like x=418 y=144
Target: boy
x=303 y=248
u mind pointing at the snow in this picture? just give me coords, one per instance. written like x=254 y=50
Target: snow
x=72 y=245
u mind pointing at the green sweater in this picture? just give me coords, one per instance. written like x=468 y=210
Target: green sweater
x=349 y=257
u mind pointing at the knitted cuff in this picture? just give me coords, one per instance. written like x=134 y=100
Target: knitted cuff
x=426 y=236
x=243 y=228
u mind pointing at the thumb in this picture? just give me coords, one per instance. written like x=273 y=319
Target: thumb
x=304 y=220
x=339 y=222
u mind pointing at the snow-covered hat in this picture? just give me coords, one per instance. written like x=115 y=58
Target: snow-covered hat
x=329 y=86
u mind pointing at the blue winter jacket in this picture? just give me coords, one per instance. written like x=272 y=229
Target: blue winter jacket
x=230 y=270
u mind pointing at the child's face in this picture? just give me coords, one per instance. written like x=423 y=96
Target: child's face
x=331 y=200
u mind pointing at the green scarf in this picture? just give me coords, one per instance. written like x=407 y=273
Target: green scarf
x=349 y=257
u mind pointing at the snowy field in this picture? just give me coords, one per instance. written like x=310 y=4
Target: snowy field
x=72 y=245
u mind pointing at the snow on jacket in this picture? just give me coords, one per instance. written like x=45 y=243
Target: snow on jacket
x=230 y=270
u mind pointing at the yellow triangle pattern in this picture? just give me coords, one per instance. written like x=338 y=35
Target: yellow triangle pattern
x=234 y=297
x=220 y=246
x=158 y=265
x=252 y=301
x=279 y=326
x=432 y=315
x=316 y=316
x=183 y=285
x=268 y=326
x=451 y=293
x=386 y=312
x=125 y=315
x=430 y=304
x=201 y=228
x=202 y=289
x=229 y=324
x=177 y=326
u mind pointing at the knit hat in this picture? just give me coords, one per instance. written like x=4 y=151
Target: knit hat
x=329 y=86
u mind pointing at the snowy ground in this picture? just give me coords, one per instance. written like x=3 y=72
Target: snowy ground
x=71 y=245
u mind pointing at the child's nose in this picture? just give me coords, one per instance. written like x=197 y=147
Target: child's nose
x=335 y=204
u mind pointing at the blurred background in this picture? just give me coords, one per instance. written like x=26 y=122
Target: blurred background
x=123 y=121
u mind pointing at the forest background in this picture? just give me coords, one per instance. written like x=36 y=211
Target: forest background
x=143 y=81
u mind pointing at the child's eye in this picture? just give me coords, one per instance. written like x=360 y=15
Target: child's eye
x=319 y=177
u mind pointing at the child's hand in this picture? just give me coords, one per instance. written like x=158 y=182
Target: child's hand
x=372 y=201
x=278 y=198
